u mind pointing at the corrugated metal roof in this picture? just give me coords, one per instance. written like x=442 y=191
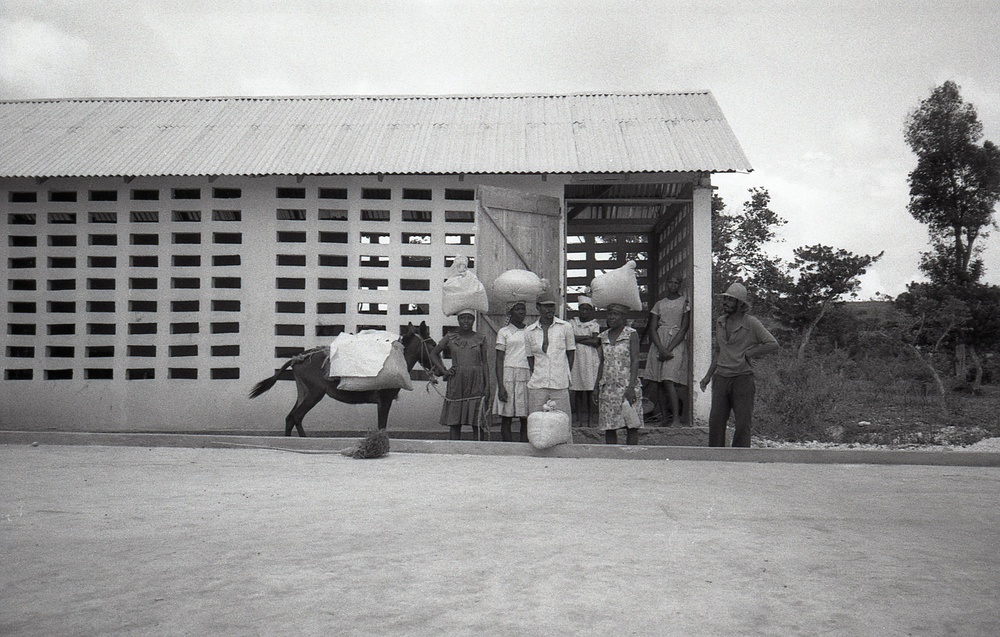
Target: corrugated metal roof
x=580 y=133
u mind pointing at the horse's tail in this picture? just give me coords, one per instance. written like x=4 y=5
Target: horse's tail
x=268 y=383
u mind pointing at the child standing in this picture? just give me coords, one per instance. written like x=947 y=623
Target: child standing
x=467 y=378
x=512 y=373
x=584 y=373
x=618 y=378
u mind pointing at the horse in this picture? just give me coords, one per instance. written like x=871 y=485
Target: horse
x=312 y=380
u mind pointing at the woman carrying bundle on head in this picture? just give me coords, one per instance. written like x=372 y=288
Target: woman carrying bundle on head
x=617 y=390
x=512 y=373
x=467 y=378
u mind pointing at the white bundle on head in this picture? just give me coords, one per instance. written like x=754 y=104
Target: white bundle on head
x=462 y=290
x=517 y=285
x=618 y=286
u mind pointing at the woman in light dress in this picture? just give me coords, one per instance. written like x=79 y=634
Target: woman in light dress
x=584 y=372
x=512 y=374
x=667 y=362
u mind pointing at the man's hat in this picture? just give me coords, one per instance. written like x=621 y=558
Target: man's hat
x=547 y=297
x=739 y=292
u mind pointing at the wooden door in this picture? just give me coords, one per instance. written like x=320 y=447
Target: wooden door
x=519 y=230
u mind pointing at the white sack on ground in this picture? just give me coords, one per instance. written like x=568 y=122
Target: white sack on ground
x=618 y=286
x=549 y=427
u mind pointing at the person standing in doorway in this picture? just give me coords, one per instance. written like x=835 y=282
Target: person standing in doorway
x=667 y=361
x=583 y=375
x=551 y=347
x=739 y=339
x=512 y=373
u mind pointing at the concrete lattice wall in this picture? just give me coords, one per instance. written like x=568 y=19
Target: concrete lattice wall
x=156 y=303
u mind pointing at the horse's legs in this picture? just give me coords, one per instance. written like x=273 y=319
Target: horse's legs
x=384 y=403
x=307 y=399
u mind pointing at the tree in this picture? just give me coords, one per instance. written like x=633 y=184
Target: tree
x=954 y=189
x=955 y=186
x=821 y=276
x=931 y=321
x=738 y=247
x=961 y=318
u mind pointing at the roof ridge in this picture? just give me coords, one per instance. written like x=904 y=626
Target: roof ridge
x=306 y=98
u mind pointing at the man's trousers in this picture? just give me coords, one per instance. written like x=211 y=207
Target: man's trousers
x=731 y=394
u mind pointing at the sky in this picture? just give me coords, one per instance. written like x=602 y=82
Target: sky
x=816 y=92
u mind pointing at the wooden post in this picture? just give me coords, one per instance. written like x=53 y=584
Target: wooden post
x=701 y=297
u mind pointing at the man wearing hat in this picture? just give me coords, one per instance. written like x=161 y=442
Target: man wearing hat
x=739 y=338
x=550 y=347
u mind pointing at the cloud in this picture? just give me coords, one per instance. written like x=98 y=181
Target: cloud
x=39 y=59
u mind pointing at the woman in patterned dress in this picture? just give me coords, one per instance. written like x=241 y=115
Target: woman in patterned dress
x=618 y=379
x=467 y=378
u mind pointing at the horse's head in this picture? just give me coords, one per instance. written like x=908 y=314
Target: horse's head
x=417 y=346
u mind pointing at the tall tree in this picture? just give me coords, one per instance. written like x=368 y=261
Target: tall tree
x=738 y=242
x=955 y=186
x=822 y=277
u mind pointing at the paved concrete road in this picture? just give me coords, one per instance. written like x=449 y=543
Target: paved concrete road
x=181 y=541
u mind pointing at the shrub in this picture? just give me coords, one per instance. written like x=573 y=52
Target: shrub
x=795 y=397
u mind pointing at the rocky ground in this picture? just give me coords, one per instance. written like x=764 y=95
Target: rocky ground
x=989 y=445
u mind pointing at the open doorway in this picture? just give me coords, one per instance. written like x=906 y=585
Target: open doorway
x=609 y=224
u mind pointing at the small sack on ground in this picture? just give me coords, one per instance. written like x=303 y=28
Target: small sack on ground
x=630 y=415
x=618 y=286
x=549 y=427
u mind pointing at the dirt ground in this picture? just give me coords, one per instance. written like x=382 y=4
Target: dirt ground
x=188 y=541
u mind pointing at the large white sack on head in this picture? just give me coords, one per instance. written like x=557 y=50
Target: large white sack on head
x=392 y=375
x=463 y=291
x=517 y=285
x=618 y=286
x=548 y=428
x=361 y=354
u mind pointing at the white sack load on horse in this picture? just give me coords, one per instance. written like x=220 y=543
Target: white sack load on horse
x=368 y=360
x=462 y=290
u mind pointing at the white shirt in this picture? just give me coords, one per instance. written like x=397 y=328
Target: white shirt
x=511 y=341
x=552 y=367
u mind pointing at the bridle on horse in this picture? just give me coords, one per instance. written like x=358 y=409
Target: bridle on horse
x=426 y=351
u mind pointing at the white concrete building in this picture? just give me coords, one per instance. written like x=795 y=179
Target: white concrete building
x=161 y=256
